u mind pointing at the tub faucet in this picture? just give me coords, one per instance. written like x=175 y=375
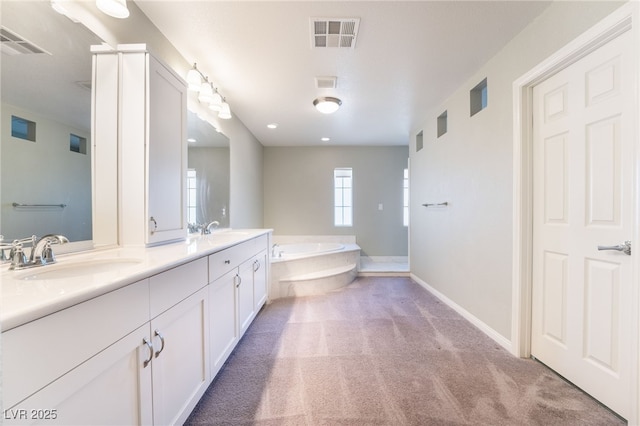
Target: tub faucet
x=42 y=253
x=207 y=228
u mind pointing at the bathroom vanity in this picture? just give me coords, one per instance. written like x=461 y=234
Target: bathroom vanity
x=127 y=335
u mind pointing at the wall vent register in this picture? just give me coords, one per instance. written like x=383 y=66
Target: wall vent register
x=13 y=44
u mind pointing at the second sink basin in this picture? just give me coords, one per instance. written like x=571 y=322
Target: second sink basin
x=77 y=269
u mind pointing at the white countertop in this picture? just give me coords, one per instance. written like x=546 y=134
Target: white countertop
x=25 y=298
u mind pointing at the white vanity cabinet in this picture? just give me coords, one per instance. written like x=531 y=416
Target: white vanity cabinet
x=137 y=355
x=180 y=336
x=150 y=147
x=232 y=295
x=81 y=365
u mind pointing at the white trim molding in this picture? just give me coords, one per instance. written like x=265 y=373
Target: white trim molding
x=623 y=19
x=497 y=337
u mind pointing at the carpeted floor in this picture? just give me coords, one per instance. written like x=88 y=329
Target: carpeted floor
x=383 y=351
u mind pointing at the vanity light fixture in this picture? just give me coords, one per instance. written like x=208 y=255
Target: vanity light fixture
x=116 y=8
x=207 y=94
x=272 y=125
x=191 y=140
x=225 y=111
x=325 y=139
x=327 y=104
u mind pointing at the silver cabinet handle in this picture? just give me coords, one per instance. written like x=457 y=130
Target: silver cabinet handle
x=256 y=265
x=155 y=225
x=150 y=346
x=238 y=280
x=625 y=248
x=157 y=333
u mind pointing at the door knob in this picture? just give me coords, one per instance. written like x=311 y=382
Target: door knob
x=625 y=248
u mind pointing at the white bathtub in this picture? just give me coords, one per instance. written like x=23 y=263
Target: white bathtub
x=306 y=267
x=296 y=251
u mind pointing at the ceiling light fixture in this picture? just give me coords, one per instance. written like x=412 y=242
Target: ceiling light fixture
x=116 y=8
x=327 y=105
x=207 y=94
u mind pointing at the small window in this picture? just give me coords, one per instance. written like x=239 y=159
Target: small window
x=77 y=144
x=23 y=129
x=343 y=197
x=405 y=198
x=442 y=124
x=478 y=97
x=192 y=199
x=419 y=141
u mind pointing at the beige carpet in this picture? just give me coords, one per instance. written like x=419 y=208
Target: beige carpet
x=383 y=351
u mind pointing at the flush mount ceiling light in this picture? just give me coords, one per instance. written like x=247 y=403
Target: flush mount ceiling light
x=327 y=104
x=115 y=8
x=207 y=94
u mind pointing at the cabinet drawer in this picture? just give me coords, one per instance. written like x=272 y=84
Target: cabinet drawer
x=37 y=353
x=175 y=285
x=224 y=261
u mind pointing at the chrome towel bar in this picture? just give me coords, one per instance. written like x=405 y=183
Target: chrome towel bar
x=445 y=203
x=19 y=205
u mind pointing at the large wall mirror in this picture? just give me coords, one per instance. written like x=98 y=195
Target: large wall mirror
x=45 y=184
x=45 y=145
x=208 y=181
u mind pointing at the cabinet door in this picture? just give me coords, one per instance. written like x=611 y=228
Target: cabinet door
x=112 y=388
x=181 y=358
x=166 y=155
x=260 y=280
x=244 y=288
x=222 y=302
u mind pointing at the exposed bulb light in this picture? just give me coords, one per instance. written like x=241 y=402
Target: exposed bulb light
x=116 y=8
x=272 y=125
x=191 y=140
x=327 y=105
x=225 y=112
x=325 y=139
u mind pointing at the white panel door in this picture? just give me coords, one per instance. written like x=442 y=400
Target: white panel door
x=583 y=197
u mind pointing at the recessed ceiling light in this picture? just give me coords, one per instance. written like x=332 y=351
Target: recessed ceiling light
x=192 y=140
x=325 y=139
x=272 y=125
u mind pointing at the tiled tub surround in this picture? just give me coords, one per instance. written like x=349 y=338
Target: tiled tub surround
x=333 y=266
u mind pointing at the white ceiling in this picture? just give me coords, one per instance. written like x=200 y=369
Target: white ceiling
x=409 y=57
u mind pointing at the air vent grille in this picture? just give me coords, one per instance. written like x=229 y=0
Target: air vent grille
x=13 y=44
x=334 y=32
x=326 y=82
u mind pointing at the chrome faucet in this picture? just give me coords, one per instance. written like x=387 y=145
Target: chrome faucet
x=206 y=229
x=42 y=253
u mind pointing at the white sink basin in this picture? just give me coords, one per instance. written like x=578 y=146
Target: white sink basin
x=77 y=269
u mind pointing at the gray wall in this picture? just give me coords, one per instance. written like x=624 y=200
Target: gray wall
x=44 y=172
x=465 y=250
x=298 y=188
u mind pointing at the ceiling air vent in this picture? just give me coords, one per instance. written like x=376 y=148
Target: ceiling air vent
x=326 y=82
x=13 y=44
x=334 y=32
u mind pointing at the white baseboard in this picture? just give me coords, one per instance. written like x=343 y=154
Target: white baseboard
x=497 y=337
